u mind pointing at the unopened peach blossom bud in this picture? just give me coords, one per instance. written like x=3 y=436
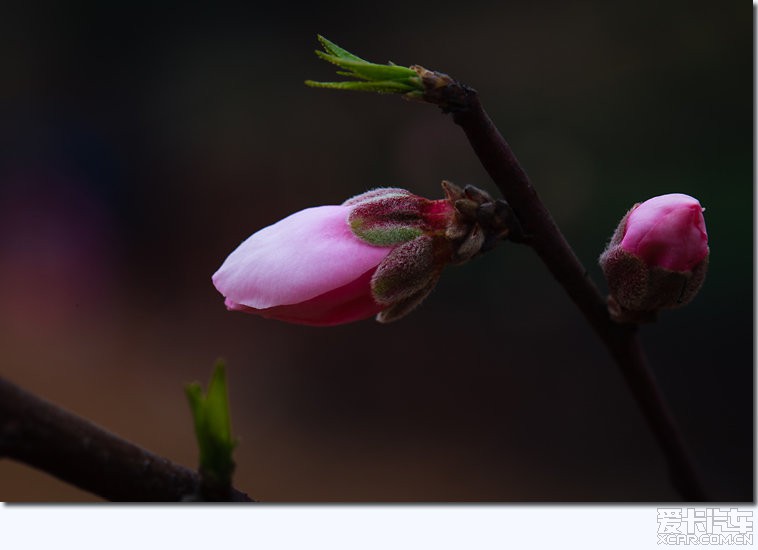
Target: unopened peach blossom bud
x=379 y=253
x=657 y=258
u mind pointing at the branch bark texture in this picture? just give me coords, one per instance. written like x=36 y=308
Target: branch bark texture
x=42 y=435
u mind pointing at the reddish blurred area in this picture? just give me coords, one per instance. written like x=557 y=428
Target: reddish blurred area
x=139 y=146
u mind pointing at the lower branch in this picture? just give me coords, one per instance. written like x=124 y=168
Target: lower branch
x=42 y=435
x=627 y=351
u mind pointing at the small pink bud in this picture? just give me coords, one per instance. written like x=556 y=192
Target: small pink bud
x=667 y=231
x=657 y=258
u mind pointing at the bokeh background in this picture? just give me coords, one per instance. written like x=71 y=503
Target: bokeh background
x=141 y=142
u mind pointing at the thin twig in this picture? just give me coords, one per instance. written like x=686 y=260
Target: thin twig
x=42 y=435
x=543 y=235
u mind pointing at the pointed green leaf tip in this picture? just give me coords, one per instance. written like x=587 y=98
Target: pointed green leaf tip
x=369 y=77
x=213 y=426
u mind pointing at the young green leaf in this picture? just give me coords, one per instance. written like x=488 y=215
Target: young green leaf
x=210 y=412
x=382 y=87
x=335 y=50
x=368 y=77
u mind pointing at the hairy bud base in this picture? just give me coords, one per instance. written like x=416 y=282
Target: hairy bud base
x=657 y=258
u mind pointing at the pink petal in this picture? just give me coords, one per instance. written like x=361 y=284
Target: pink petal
x=346 y=304
x=304 y=256
x=667 y=231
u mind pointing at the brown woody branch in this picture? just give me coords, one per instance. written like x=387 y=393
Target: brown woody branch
x=42 y=435
x=543 y=235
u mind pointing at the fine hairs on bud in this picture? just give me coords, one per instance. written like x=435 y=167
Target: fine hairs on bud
x=657 y=258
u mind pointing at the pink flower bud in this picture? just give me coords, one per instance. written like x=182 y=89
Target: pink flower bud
x=657 y=258
x=667 y=231
x=379 y=253
x=374 y=254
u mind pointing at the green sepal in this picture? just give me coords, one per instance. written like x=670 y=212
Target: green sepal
x=212 y=419
x=387 y=216
x=384 y=235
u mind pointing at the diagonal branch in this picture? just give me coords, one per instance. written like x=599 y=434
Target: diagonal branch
x=543 y=235
x=42 y=435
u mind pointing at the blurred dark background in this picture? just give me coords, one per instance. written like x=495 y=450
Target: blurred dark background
x=139 y=144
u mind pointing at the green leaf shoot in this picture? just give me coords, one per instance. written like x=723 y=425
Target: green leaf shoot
x=213 y=427
x=367 y=77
